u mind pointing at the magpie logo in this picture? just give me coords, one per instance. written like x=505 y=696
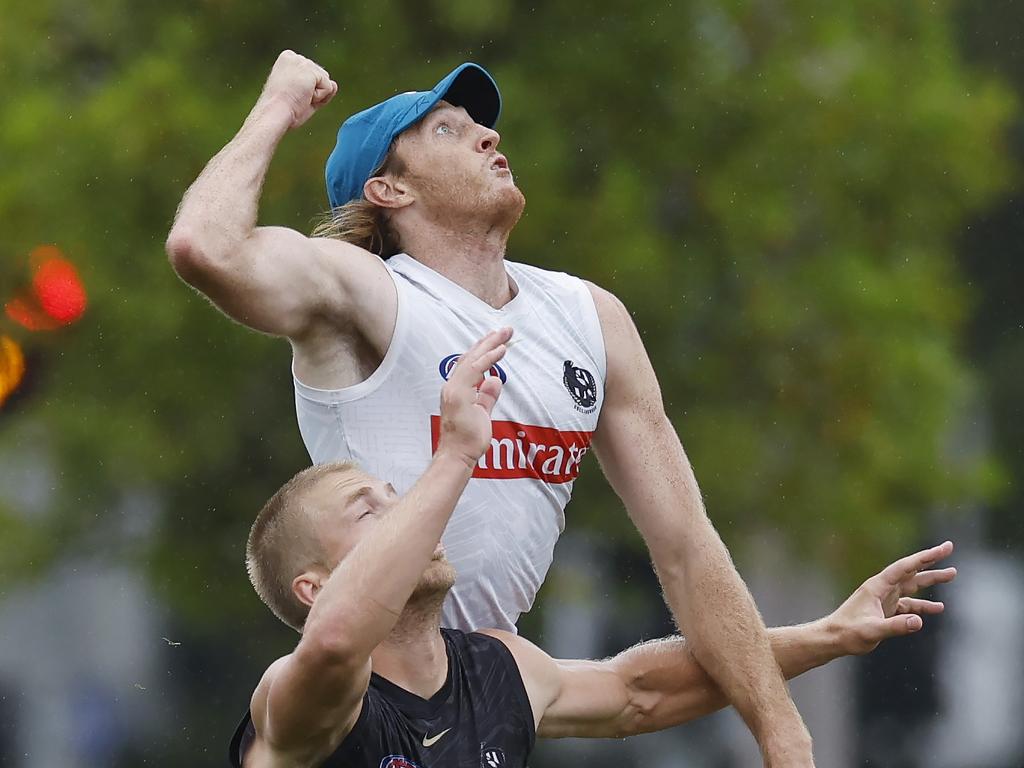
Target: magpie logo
x=581 y=385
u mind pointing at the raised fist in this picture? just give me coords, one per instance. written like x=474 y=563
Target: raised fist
x=468 y=397
x=301 y=84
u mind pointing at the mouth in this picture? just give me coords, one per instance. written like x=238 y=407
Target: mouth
x=499 y=163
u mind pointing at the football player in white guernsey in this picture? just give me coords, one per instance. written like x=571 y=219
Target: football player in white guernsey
x=374 y=335
x=374 y=682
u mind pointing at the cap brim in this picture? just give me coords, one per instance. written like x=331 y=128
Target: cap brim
x=471 y=87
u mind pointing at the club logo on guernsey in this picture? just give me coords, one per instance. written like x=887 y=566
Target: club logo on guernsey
x=446 y=366
x=397 y=761
x=492 y=757
x=581 y=385
x=525 y=451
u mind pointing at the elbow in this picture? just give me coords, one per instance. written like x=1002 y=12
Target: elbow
x=194 y=255
x=185 y=252
x=639 y=716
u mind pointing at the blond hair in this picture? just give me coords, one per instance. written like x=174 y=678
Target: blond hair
x=362 y=223
x=283 y=542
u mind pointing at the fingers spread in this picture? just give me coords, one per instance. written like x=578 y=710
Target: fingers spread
x=907 y=566
x=930 y=578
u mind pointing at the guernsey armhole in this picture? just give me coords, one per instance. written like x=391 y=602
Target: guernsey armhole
x=521 y=694
x=375 y=379
x=594 y=330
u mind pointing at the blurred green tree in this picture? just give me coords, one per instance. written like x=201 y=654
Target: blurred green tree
x=772 y=188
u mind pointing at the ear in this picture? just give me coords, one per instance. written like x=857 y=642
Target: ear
x=306 y=585
x=387 y=192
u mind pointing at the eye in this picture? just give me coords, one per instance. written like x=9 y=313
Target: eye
x=364 y=514
x=443 y=129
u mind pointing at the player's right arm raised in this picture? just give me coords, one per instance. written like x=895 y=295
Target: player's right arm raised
x=272 y=279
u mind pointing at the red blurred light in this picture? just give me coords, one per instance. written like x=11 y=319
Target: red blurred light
x=57 y=297
x=59 y=290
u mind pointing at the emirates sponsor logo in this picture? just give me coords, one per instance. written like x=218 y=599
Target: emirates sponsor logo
x=521 y=450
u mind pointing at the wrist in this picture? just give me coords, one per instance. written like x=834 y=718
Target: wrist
x=274 y=111
x=793 y=749
x=837 y=636
x=449 y=455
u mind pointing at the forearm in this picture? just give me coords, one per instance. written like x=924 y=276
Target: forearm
x=219 y=210
x=361 y=601
x=728 y=638
x=667 y=686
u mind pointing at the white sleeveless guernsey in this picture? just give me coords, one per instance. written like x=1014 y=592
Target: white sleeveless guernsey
x=503 y=531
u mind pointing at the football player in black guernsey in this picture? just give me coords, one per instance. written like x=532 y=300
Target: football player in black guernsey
x=374 y=682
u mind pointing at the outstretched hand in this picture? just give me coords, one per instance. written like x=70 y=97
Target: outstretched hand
x=884 y=606
x=468 y=397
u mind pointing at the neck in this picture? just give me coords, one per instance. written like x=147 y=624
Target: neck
x=471 y=256
x=413 y=656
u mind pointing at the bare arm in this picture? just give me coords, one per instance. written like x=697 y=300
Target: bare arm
x=659 y=684
x=645 y=463
x=272 y=279
x=310 y=700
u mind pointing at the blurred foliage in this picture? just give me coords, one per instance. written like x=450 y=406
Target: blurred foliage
x=773 y=188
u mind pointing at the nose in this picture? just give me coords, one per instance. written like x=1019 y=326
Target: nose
x=488 y=140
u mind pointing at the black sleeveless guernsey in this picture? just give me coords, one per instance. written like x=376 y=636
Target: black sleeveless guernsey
x=481 y=717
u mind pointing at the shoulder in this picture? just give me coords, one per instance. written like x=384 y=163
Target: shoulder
x=610 y=308
x=250 y=740
x=518 y=646
x=349 y=259
x=547 y=281
x=293 y=727
x=624 y=348
x=261 y=696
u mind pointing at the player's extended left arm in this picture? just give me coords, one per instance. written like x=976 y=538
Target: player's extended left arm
x=646 y=465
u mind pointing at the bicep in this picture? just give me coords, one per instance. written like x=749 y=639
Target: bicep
x=593 y=702
x=649 y=687
x=569 y=698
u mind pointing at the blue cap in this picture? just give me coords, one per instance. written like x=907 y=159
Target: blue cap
x=364 y=139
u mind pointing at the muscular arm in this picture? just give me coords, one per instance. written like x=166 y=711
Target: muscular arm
x=272 y=279
x=645 y=463
x=659 y=684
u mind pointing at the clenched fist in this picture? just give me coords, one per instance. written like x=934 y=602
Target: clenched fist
x=299 y=83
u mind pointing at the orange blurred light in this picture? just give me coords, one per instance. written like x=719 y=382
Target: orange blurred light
x=57 y=297
x=12 y=367
x=23 y=311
